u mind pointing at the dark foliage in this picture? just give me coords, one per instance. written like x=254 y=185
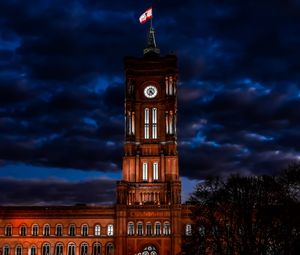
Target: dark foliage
x=253 y=215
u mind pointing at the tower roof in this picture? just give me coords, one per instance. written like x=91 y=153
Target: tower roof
x=151 y=44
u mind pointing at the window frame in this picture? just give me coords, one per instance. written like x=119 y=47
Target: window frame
x=60 y=228
x=130 y=228
x=23 y=230
x=155 y=171
x=85 y=230
x=97 y=248
x=6 y=249
x=72 y=230
x=110 y=229
x=71 y=249
x=35 y=230
x=18 y=250
x=46 y=230
x=97 y=230
x=8 y=230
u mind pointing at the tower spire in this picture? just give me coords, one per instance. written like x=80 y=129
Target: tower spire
x=151 y=44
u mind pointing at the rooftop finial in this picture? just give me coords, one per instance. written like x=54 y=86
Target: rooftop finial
x=151 y=44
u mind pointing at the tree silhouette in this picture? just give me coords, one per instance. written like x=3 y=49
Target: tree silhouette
x=246 y=215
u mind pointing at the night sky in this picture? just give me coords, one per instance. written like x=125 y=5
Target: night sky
x=62 y=85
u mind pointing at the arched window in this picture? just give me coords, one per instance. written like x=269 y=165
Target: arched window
x=8 y=230
x=154 y=123
x=155 y=171
x=96 y=249
x=171 y=131
x=58 y=230
x=6 y=250
x=59 y=249
x=166 y=228
x=157 y=229
x=188 y=229
x=18 y=250
x=35 y=230
x=129 y=123
x=148 y=229
x=71 y=249
x=202 y=230
x=85 y=230
x=140 y=228
x=133 y=123
x=130 y=228
x=97 y=230
x=170 y=85
x=23 y=230
x=147 y=119
x=46 y=230
x=167 y=85
x=46 y=249
x=109 y=249
x=145 y=171
x=72 y=230
x=32 y=250
x=110 y=230
x=84 y=249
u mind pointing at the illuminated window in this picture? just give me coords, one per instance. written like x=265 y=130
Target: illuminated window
x=188 y=229
x=18 y=250
x=166 y=228
x=23 y=230
x=148 y=229
x=71 y=249
x=8 y=230
x=58 y=230
x=130 y=228
x=157 y=229
x=85 y=230
x=145 y=172
x=170 y=85
x=32 y=250
x=155 y=171
x=96 y=249
x=6 y=250
x=110 y=230
x=97 y=230
x=35 y=230
x=84 y=249
x=46 y=230
x=171 y=123
x=72 y=230
x=59 y=249
x=46 y=249
x=147 y=136
x=133 y=123
x=154 y=123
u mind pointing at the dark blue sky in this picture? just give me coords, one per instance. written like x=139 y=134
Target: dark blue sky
x=61 y=91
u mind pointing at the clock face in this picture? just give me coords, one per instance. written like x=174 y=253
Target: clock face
x=150 y=91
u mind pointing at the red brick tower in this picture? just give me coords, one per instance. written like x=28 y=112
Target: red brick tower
x=149 y=195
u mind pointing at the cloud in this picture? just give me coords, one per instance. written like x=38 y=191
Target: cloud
x=62 y=82
x=56 y=192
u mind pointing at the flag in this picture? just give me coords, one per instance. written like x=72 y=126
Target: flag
x=146 y=15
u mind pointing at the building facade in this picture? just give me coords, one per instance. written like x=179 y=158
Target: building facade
x=148 y=217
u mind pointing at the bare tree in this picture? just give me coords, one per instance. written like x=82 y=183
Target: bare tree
x=246 y=215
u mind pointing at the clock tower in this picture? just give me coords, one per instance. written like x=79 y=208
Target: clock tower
x=149 y=194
